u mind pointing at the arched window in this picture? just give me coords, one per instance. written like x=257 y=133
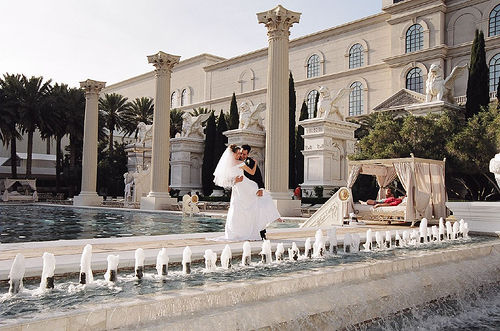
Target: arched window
x=173 y=100
x=356 y=56
x=356 y=99
x=311 y=103
x=414 y=80
x=414 y=38
x=184 y=97
x=313 y=66
x=494 y=27
x=494 y=72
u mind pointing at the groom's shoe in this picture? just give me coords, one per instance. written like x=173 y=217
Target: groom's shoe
x=263 y=234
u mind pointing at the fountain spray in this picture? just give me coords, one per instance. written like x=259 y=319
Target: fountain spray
x=406 y=237
x=455 y=231
x=112 y=271
x=347 y=243
x=293 y=253
x=265 y=253
x=49 y=266
x=246 y=258
x=379 y=239
x=356 y=239
x=186 y=260
x=449 y=230
x=461 y=228
x=466 y=230
x=435 y=233
x=139 y=263
x=16 y=274
x=225 y=257
x=162 y=262
x=86 y=276
x=319 y=244
x=280 y=252
x=368 y=243
x=441 y=229
x=423 y=230
x=388 y=239
x=210 y=260
x=397 y=239
x=308 y=248
x=332 y=240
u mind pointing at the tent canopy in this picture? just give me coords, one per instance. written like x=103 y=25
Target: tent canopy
x=422 y=179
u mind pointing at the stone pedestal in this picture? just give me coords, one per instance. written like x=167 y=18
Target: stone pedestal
x=186 y=161
x=88 y=195
x=138 y=155
x=278 y=22
x=327 y=143
x=159 y=197
x=436 y=107
x=255 y=138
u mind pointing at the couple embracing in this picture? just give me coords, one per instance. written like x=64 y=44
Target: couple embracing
x=251 y=208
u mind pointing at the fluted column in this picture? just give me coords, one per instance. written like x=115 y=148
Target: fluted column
x=159 y=196
x=278 y=22
x=88 y=195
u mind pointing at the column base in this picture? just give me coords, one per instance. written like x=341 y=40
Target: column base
x=87 y=199
x=288 y=207
x=157 y=201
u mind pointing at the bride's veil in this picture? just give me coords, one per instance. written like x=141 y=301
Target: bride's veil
x=225 y=172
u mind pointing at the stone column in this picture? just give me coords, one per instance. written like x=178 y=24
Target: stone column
x=278 y=22
x=159 y=197
x=88 y=195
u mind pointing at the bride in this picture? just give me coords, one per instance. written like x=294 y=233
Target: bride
x=248 y=213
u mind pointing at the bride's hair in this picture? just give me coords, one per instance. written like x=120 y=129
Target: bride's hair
x=234 y=148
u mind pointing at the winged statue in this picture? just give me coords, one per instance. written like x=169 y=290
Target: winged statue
x=192 y=125
x=441 y=89
x=252 y=117
x=328 y=107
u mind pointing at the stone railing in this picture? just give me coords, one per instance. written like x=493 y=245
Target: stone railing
x=461 y=100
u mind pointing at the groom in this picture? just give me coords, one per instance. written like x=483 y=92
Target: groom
x=257 y=177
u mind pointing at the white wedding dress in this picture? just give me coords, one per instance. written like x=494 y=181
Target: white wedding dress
x=248 y=213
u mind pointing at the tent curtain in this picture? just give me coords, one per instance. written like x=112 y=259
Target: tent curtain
x=437 y=173
x=404 y=172
x=353 y=175
x=384 y=181
x=423 y=191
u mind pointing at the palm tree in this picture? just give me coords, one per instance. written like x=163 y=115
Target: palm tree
x=141 y=110
x=8 y=120
x=34 y=104
x=199 y=111
x=175 y=121
x=112 y=106
x=12 y=88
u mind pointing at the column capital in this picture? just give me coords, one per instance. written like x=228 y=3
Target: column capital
x=92 y=86
x=278 y=21
x=163 y=61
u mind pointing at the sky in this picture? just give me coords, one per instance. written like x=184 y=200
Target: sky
x=69 y=41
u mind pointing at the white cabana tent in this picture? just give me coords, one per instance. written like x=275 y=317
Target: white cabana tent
x=422 y=179
x=29 y=194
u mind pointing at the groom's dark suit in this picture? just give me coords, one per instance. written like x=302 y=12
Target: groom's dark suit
x=257 y=177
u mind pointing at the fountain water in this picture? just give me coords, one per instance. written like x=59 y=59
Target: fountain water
x=466 y=230
x=49 y=266
x=347 y=243
x=293 y=253
x=406 y=238
x=162 y=262
x=186 y=260
x=225 y=257
x=332 y=240
x=435 y=233
x=368 y=242
x=449 y=230
x=441 y=229
x=455 y=230
x=397 y=239
x=112 y=272
x=414 y=234
x=423 y=230
x=308 y=248
x=86 y=276
x=280 y=252
x=461 y=225
x=388 y=239
x=210 y=260
x=356 y=240
x=16 y=274
x=319 y=244
x=265 y=253
x=379 y=239
x=139 y=263
x=247 y=254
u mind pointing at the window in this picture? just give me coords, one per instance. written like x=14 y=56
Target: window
x=356 y=99
x=494 y=25
x=494 y=72
x=311 y=102
x=184 y=97
x=414 y=38
x=415 y=81
x=173 y=100
x=313 y=66
x=356 y=56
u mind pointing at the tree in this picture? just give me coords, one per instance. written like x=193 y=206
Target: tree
x=292 y=107
x=112 y=107
x=175 y=122
x=220 y=138
x=207 y=170
x=10 y=87
x=34 y=107
x=299 y=145
x=200 y=111
x=315 y=114
x=234 y=119
x=478 y=82
x=140 y=110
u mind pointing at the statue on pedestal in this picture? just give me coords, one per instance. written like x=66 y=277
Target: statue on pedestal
x=328 y=107
x=251 y=117
x=128 y=179
x=145 y=132
x=192 y=125
x=437 y=88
